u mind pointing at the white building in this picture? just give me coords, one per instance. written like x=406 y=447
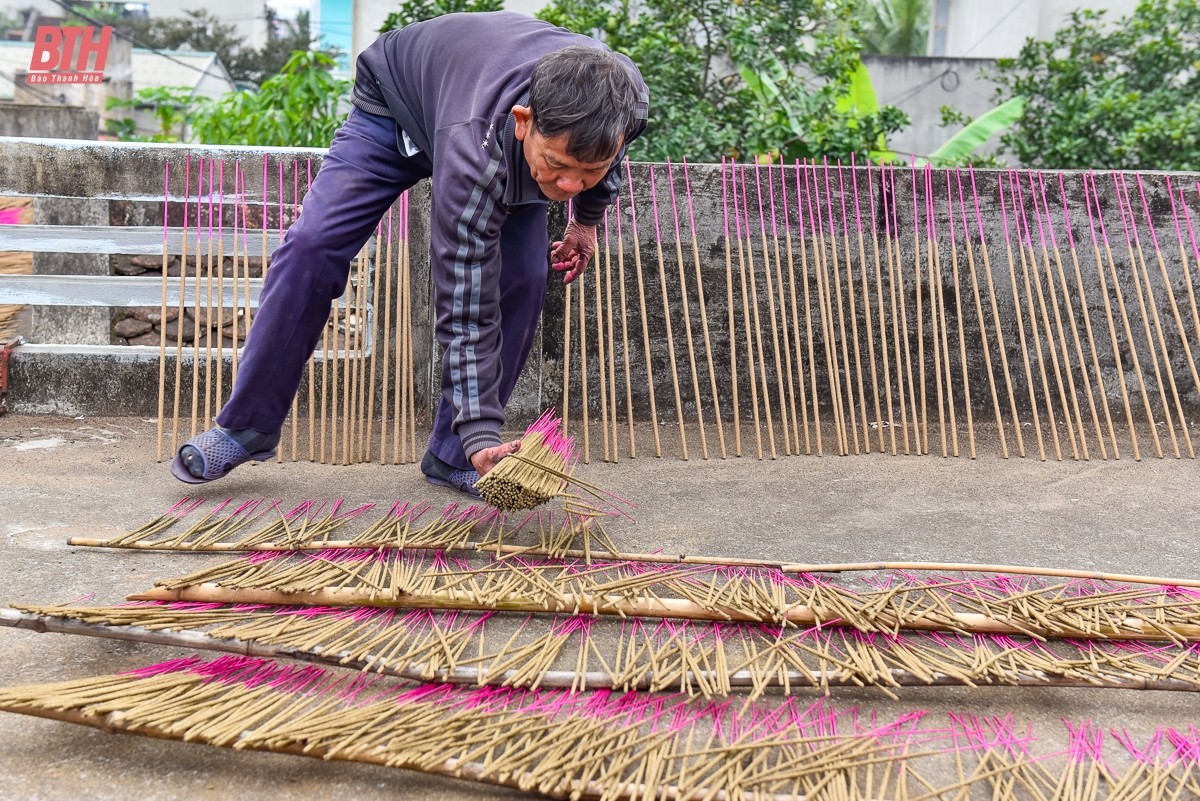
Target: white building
x=998 y=28
x=249 y=16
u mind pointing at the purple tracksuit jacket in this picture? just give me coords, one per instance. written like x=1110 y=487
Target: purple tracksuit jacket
x=450 y=84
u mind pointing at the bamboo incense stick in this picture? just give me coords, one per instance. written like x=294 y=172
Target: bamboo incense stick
x=196 y=308
x=1074 y=330
x=1028 y=265
x=1060 y=345
x=568 y=310
x=866 y=295
x=208 y=308
x=934 y=276
x=381 y=266
x=238 y=333
x=779 y=375
x=758 y=335
x=408 y=338
x=733 y=373
x=712 y=375
x=180 y=321
x=962 y=340
x=687 y=313
x=737 y=224
x=883 y=339
x=812 y=361
x=1012 y=274
x=908 y=360
x=987 y=267
x=852 y=428
x=162 y=316
x=612 y=357
x=987 y=353
x=601 y=360
x=291 y=417
x=828 y=335
x=796 y=342
x=1125 y=317
x=794 y=441
x=662 y=277
x=943 y=321
x=862 y=395
x=624 y=332
x=637 y=262
x=923 y=441
x=1187 y=349
x=312 y=363
x=220 y=289
x=1087 y=321
x=584 y=399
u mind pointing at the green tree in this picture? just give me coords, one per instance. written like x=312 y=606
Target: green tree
x=894 y=27
x=411 y=11
x=1119 y=96
x=198 y=30
x=299 y=107
x=750 y=78
x=170 y=105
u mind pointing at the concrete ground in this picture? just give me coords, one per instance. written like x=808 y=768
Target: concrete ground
x=86 y=477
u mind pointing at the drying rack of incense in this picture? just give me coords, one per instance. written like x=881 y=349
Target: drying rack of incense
x=215 y=295
x=608 y=745
x=859 y=309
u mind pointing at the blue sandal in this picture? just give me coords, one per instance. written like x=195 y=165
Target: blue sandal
x=443 y=475
x=220 y=454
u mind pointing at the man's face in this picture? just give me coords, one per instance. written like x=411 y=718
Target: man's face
x=559 y=175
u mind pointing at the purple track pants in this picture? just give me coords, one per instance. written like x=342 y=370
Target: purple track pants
x=361 y=178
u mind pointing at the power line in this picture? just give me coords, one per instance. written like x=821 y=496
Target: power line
x=979 y=41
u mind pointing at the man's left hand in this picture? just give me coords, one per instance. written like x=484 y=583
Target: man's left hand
x=573 y=252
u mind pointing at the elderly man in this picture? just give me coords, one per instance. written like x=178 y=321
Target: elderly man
x=505 y=112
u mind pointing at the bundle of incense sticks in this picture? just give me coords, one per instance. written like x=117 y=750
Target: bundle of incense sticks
x=309 y=525
x=994 y=604
x=582 y=652
x=215 y=308
x=537 y=473
x=871 y=315
x=612 y=746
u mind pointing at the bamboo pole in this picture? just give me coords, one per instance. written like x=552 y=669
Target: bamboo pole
x=637 y=261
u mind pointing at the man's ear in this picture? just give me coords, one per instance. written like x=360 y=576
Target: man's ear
x=524 y=119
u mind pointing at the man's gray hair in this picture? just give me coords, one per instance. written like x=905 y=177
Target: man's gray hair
x=588 y=94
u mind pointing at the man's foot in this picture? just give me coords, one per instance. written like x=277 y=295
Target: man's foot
x=444 y=475
x=216 y=452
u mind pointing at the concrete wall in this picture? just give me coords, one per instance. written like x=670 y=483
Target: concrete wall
x=48 y=122
x=920 y=86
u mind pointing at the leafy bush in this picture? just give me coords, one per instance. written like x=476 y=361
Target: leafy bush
x=1118 y=97
x=750 y=78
